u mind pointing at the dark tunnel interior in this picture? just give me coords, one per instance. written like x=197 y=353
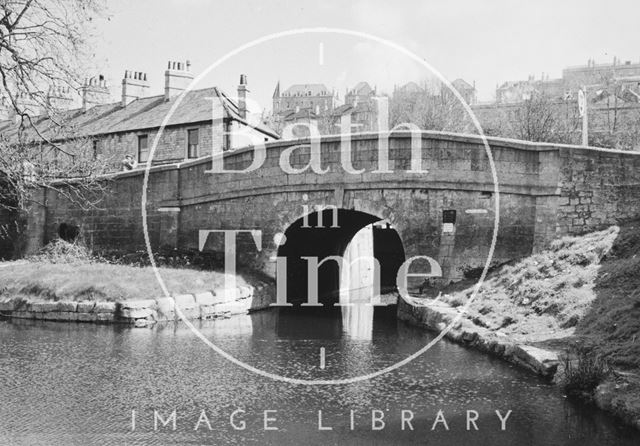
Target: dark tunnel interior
x=317 y=237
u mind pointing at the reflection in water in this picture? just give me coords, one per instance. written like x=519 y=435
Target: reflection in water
x=359 y=284
x=76 y=384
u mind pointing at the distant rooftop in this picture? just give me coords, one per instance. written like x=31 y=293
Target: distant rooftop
x=140 y=114
x=307 y=90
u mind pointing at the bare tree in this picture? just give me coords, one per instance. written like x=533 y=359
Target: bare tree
x=539 y=118
x=430 y=109
x=43 y=44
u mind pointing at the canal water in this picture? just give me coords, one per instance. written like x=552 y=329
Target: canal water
x=77 y=384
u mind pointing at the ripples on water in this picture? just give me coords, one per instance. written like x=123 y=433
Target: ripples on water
x=76 y=384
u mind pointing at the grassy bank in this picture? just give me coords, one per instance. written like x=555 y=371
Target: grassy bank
x=68 y=272
x=580 y=297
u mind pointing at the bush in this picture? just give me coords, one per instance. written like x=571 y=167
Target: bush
x=61 y=251
x=584 y=371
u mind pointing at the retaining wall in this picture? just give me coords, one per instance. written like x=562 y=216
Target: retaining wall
x=143 y=312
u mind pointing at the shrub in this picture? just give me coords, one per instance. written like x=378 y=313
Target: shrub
x=61 y=251
x=584 y=371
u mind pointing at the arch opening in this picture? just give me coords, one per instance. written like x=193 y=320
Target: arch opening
x=68 y=232
x=357 y=234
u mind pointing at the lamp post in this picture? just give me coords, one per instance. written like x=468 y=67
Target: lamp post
x=582 y=108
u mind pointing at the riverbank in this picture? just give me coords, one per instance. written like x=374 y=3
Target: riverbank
x=581 y=295
x=435 y=315
x=66 y=283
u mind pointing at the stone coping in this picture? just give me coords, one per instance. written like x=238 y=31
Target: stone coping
x=139 y=312
x=493 y=141
x=436 y=316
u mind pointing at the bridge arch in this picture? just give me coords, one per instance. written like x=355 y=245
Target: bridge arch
x=316 y=235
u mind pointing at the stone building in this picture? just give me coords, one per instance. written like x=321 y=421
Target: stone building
x=613 y=95
x=308 y=104
x=204 y=119
x=315 y=104
x=315 y=97
x=359 y=105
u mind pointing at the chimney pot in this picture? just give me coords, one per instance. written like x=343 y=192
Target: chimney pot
x=134 y=86
x=242 y=96
x=176 y=79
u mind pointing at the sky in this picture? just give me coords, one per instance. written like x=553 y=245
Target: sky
x=482 y=41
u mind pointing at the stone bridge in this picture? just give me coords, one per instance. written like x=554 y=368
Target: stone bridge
x=446 y=212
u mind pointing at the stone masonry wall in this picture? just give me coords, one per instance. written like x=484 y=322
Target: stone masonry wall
x=598 y=188
x=546 y=191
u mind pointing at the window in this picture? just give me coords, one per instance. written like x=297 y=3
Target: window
x=95 y=149
x=143 y=149
x=449 y=216
x=193 y=140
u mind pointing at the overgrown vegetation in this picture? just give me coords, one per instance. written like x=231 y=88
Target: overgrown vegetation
x=581 y=297
x=585 y=288
x=584 y=372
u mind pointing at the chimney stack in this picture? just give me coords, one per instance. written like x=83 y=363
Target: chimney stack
x=242 y=96
x=95 y=92
x=60 y=97
x=134 y=86
x=177 y=78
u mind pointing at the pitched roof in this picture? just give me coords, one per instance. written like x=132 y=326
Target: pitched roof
x=461 y=84
x=361 y=88
x=143 y=113
x=305 y=89
x=303 y=113
x=360 y=107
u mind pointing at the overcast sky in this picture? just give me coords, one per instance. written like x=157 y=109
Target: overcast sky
x=483 y=41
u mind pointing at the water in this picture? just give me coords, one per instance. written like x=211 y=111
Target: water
x=76 y=384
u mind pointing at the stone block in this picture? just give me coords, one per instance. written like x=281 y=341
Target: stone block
x=104 y=307
x=541 y=361
x=189 y=313
x=206 y=298
x=85 y=306
x=105 y=317
x=227 y=294
x=137 y=304
x=41 y=307
x=232 y=308
x=141 y=323
x=7 y=305
x=166 y=308
x=469 y=336
x=87 y=317
x=185 y=301
x=67 y=306
x=137 y=313
x=209 y=311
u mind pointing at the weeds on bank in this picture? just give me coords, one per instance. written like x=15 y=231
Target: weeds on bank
x=584 y=371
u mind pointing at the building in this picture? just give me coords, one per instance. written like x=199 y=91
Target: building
x=204 y=120
x=361 y=108
x=613 y=98
x=315 y=97
x=302 y=104
x=466 y=90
